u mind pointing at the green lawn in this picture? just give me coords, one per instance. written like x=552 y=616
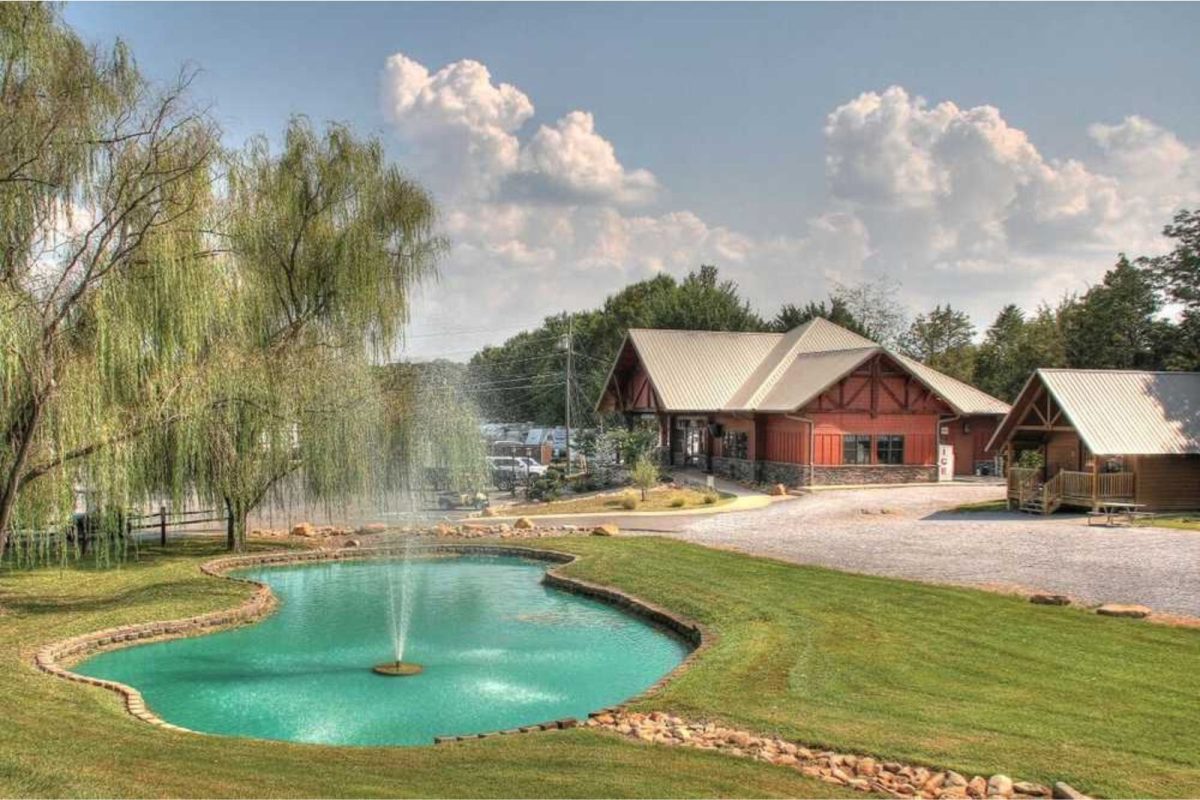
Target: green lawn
x=951 y=677
x=1183 y=522
x=60 y=739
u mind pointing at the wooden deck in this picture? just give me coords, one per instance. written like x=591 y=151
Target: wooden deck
x=1027 y=491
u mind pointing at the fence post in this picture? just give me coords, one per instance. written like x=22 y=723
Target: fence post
x=162 y=525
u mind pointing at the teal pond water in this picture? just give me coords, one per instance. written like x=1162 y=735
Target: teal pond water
x=500 y=650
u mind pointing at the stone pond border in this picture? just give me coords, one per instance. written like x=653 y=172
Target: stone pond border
x=50 y=658
x=840 y=769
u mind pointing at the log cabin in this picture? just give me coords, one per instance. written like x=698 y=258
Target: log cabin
x=818 y=405
x=1104 y=436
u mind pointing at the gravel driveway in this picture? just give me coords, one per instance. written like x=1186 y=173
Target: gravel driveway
x=848 y=529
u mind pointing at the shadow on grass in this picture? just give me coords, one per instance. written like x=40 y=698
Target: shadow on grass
x=27 y=591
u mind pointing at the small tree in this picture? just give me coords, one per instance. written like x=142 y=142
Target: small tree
x=327 y=243
x=644 y=474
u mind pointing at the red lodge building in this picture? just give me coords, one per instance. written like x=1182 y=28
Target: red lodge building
x=818 y=405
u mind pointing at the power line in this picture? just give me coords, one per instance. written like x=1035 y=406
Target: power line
x=478 y=350
x=460 y=331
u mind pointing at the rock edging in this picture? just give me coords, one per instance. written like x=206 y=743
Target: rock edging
x=50 y=658
x=864 y=773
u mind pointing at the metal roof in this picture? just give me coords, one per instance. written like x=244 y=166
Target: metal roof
x=724 y=371
x=808 y=375
x=1126 y=412
x=699 y=370
x=962 y=397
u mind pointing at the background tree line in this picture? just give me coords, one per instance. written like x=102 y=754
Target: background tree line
x=1144 y=314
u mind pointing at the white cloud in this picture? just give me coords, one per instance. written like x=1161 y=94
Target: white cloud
x=462 y=126
x=954 y=203
x=571 y=162
x=952 y=195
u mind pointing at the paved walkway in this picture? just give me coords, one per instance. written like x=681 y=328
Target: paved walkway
x=902 y=532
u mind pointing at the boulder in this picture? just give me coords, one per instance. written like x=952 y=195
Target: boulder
x=1064 y=791
x=352 y=543
x=999 y=786
x=1031 y=789
x=488 y=511
x=303 y=529
x=524 y=524
x=442 y=529
x=607 y=529
x=1044 y=599
x=977 y=787
x=1123 y=610
x=955 y=779
x=778 y=490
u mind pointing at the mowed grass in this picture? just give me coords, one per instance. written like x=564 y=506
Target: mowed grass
x=657 y=499
x=60 y=739
x=1182 y=522
x=957 y=678
x=949 y=677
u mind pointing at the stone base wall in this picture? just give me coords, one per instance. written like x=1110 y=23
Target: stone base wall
x=781 y=472
x=873 y=473
x=747 y=471
x=738 y=469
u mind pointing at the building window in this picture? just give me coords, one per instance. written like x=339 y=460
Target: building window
x=735 y=445
x=856 y=448
x=889 y=449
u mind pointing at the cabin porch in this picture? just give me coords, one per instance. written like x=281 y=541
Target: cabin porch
x=1028 y=492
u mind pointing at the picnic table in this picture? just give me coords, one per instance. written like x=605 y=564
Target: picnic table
x=1114 y=510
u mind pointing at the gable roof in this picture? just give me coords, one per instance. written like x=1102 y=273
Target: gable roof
x=681 y=364
x=961 y=396
x=776 y=372
x=1121 y=412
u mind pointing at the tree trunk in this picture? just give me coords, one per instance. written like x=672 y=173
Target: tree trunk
x=8 y=492
x=235 y=525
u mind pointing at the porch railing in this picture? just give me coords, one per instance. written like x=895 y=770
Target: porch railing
x=1069 y=486
x=1114 y=485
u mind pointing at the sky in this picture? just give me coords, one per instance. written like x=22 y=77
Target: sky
x=975 y=154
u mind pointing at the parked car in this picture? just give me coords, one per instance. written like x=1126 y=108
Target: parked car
x=507 y=470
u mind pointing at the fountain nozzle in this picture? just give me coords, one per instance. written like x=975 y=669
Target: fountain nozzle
x=397 y=668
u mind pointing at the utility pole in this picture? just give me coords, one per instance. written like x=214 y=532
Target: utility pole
x=570 y=346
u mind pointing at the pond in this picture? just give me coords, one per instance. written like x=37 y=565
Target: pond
x=499 y=650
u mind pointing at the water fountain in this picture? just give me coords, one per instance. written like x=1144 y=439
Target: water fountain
x=400 y=610
x=436 y=437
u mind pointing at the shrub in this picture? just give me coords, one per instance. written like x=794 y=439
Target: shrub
x=644 y=474
x=629 y=501
x=547 y=487
x=710 y=498
x=1031 y=459
x=678 y=502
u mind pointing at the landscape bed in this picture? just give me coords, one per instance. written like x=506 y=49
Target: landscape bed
x=659 y=499
x=948 y=677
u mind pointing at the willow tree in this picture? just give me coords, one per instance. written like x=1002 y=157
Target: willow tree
x=105 y=294
x=327 y=242
x=431 y=428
